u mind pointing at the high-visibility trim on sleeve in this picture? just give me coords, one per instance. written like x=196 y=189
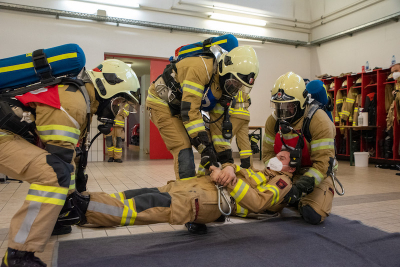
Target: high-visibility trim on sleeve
x=349 y=100
x=239 y=112
x=201 y=170
x=240 y=190
x=119 y=123
x=195 y=126
x=59 y=133
x=126 y=112
x=193 y=88
x=269 y=139
x=237 y=169
x=258 y=177
x=240 y=211
x=220 y=140
x=120 y=196
x=339 y=101
x=187 y=178
x=326 y=143
x=312 y=172
x=244 y=153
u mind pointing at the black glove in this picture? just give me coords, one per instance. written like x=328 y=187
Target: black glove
x=305 y=184
x=208 y=158
x=293 y=196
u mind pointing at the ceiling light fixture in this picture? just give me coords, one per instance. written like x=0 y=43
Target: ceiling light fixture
x=237 y=19
x=117 y=3
x=236 y=11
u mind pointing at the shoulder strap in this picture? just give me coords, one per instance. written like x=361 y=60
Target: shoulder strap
x=314 y=106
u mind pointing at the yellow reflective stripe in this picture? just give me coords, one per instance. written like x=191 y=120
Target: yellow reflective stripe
x=349 y=100
x=110 y=148
x=312 y=172
x=239 y=112
x=336 y=119
x=274 y=191
x=326 y=143
x=245 y=153
x=254 y=139
x=355 y=110
x=339 y=101
x=218 y=109
x=6 y=258
x=237 y=168
x=134 y=215
x=72 y=183
x=126 y=112
x=192 y=87
x=59 y=132
x=266 y=163
x=289 y=136
x=52 y=189
x=30 y=64
x=347 y=113
x=240 y=190
x=354 y=123
x=156 y=99
x=188 y=178
x=117 y=149
x=220 y=140
x=46 y=200
x=195 y=126
x=201 y=47
x=258 y=177
x=269 y=139
x=240 y=211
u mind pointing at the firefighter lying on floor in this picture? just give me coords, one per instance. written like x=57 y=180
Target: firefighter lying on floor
x=182 y=201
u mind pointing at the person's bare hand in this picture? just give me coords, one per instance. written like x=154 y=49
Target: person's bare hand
x=227 y=176
x=215 y=173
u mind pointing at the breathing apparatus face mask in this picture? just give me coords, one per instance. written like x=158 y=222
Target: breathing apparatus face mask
x=230 y=84
x=285 y=110
x=107 y=111
x=275 y=164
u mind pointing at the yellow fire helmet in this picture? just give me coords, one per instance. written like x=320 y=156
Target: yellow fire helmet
x=390 y=77
x=344 y=84
x=114 y=77
x=237 y=68
x=358 y=82
x=332 y=86
x=288 y=95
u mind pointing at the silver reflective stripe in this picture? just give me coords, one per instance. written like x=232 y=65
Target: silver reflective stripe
x=185 y=85
x=216 y=139
x=46 y=194
x=105 y=209
x=117 y=196
x=195 y=126
x=268 y=139
x=128 y=216
x=275 y=192
x=322 y=144
x=241 y=188
x=317 y=177
x=59 y=132
x=25 y=228
x=259 y=178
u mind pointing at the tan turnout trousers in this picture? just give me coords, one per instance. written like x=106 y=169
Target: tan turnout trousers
x=49 y=171
x=114 y=142
x=193 y=200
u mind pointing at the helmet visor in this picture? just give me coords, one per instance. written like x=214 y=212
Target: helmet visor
x=119 y=101
x=232 y=85
x=285 y=110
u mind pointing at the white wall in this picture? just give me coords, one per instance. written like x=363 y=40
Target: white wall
x=348 y=54
x=25 y=33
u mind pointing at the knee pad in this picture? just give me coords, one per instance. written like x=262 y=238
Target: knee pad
x=187 y=168
x=310 y=215
x=109 y=141
x=245 y=163
x=74 y=210
x=62 y=169
x=119 y=142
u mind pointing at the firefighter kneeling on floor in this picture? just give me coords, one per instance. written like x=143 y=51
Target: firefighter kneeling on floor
x=249 y=194
x=301 y=125
x=62 y=117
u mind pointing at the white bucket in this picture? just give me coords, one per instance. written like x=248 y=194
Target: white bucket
x=361 y=159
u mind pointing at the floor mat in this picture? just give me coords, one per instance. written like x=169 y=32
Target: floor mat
x=276 y=242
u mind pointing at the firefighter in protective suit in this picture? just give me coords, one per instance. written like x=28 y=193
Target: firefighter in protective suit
x=240 y=118
x=296 y=124
x=175 y=99
x=114 y=139
x=50 y=170
x=182 y=201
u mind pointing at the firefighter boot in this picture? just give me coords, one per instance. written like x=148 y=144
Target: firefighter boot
x=61 y=229
x=196 y=228
x=118 y=160
x=110 y=159
x=16 y=258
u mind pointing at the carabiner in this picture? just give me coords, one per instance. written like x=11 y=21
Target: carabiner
x=220 y=192
x=334 y=184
